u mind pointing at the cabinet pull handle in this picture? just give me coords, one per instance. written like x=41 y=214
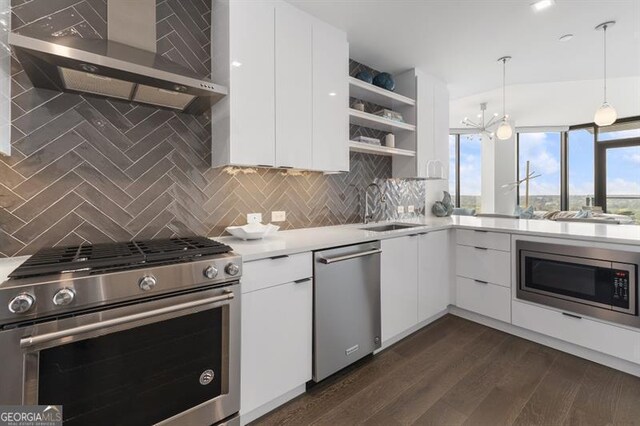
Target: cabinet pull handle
x=285 y=167
x=481 y=248
x=284 y=256
x=329 y=260
x=413 y=235
x=571 y=315
x=480 y=230
x=264 y=165
x=481 y=282
x=304 y=280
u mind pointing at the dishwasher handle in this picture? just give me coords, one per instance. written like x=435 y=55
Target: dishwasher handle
x=329 y=260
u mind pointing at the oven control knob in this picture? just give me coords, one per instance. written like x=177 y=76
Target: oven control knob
x=63 y=297
x=211 y=272
x=21 y=303
x=147 y=283
x=232 y=269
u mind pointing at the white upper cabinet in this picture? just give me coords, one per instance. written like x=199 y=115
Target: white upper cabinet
x=243 y=57
x=430 y=141
x=287 y=75
x=330 y=98
x=294 y=87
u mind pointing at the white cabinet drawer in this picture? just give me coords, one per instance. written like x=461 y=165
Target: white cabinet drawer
x=492 y=240
x=484 y=264
x=276 y=270
x=609 y=339
x=484 y=298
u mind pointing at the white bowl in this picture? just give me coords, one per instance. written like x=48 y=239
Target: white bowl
x=252 y=231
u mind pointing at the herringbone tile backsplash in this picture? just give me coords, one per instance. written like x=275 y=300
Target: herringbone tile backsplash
x=85 y=168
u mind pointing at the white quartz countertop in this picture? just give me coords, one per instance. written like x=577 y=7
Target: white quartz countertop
x=307 y=239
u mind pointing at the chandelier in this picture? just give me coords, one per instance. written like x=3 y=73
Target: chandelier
x=482 y=127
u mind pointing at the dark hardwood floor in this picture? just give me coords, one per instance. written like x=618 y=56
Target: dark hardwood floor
x=456 y=372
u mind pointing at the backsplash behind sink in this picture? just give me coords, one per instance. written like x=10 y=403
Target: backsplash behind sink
x=89 y=169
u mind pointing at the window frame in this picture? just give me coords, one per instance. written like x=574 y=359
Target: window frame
x=600 y=160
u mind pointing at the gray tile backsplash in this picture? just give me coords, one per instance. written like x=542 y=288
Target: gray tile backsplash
x=86 y=168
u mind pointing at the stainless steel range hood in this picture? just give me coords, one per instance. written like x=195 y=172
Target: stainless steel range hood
x=113 y=69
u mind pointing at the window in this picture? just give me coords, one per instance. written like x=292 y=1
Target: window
x=470 y=171
x=618 y=169
x=465 y=165
x=453 y=161
x=583 y=166
x=580 y=168
x=542 y=151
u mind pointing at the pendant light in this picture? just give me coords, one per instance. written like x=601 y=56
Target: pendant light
x=504 y=131
x=606 y=114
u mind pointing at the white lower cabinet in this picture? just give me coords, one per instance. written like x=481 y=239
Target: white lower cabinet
x=398 y=285
x=433 y=274
x=606 y=338
x=484 y=264
x=484 y=298
x=277 y=326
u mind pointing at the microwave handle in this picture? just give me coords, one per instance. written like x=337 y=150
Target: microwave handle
x=29 y=341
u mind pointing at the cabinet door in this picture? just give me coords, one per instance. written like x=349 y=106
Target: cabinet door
x=399 y=285
x=330 y=98
x=433 y=274
x=276 y=342
x=441 y=123
x=252 y=83
x=293 y=41
x=425 y=144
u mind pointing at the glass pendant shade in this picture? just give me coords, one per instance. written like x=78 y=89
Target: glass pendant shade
x=606 y=115
x=505 y=131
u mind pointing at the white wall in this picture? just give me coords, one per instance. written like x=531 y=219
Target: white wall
x=553 y=104
x=498 y=169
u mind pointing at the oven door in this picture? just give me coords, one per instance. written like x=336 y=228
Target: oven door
x=586 y=281
x=173 y=360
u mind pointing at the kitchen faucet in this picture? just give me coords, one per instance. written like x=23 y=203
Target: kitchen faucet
x=366 y=218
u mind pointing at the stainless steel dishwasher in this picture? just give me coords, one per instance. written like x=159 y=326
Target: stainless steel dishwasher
x=346 y=301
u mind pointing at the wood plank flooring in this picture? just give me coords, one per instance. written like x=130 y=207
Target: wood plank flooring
x=456 y=372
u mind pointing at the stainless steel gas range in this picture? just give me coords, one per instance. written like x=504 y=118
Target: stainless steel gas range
x=126 y=333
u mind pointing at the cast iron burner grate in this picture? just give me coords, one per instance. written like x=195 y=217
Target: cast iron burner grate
x=113 y=256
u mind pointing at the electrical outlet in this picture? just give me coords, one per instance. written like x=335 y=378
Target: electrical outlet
x=400 y=209
x=411 y=208
x=278 y=216
x=254 y=218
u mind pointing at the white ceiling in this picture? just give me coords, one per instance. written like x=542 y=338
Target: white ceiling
x=459 y=41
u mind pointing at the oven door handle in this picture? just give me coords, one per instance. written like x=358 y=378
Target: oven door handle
x=29 y=341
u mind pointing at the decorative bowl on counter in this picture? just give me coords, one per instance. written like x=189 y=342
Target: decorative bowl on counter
x=252 y=231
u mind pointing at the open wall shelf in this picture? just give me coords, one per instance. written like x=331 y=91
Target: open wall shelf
x=372 y=121
x=374 y=94
x=379 y=150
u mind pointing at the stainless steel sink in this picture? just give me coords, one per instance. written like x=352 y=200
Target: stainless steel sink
x=391 y=227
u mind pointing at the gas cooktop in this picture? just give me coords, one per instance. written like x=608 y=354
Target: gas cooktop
x=108 y=257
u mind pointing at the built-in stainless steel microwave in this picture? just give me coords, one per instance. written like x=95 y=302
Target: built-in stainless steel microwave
x=596 y=282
